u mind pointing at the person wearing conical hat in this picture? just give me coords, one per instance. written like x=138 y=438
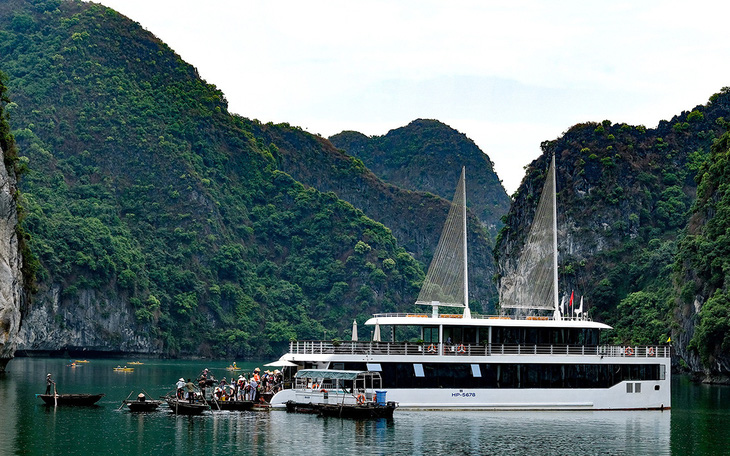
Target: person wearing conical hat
x=179 y=387
x=49 y=382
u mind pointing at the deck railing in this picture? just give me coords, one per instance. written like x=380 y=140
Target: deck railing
x=475 y=316
x=317 y=347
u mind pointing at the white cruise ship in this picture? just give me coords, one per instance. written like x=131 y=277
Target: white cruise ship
x=541 y=357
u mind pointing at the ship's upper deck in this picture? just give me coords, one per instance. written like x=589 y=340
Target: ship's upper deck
x=424 y=319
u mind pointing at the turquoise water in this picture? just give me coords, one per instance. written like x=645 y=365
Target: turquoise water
x=699 y=422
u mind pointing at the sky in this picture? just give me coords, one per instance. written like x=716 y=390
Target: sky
x=507 y=74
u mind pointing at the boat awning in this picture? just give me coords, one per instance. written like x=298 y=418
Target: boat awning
x=281 y=363
x=327 y=373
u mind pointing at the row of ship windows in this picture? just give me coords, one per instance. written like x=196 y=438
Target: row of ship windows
x=512 y=336
x=496 y=375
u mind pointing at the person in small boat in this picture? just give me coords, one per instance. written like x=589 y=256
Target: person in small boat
x=202 y=383
x=190 y=390
x=141 y=397
x=49 y=382
x=180 y=385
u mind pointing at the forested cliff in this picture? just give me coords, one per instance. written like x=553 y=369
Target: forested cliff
x=425 y=156
x=16 y=274
x=624 y=199
x=164 y=224
x=159 y=222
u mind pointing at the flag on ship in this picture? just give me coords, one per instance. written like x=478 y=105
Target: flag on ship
x=579 y=312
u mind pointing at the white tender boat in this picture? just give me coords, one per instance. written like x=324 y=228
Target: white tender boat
x=542 y=357
x=340 y=393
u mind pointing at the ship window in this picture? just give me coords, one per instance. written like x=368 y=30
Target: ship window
x=374 y=367
x=629 y=387
x=418 y=370
x=637 y=388
x=456 y=335
x=431 y=334
x=483 y=335
x=662 y=372
x=475 y=370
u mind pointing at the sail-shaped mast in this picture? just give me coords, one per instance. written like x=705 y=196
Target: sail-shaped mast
x=533 y=285
x=467 y=312
x=555 y=234
x=446 y=282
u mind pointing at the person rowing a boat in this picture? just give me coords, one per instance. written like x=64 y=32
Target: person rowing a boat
x=190 y=389
x=49 y=382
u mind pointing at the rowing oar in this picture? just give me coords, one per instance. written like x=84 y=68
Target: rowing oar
x=125 y=400
x=214 y=400
x=55 y=395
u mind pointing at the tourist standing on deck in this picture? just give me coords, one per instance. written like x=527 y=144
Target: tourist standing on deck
x=240 y=386
x=49 y=382
x=254 y=385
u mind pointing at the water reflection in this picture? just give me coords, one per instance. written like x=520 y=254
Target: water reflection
x=9 y=403
x=699 y=423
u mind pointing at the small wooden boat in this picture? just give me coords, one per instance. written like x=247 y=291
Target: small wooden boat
x=302 y=407
x=233 y=367
x=147 y=405
x=232 y=405
x=364 y=411
x=339 y=393
x=183 y=407
x=123 y=369
x=81 y=361
x=135 y=363
x=141 y=404
x=70 y=399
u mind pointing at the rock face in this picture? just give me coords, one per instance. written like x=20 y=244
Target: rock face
x=11 y=279
x=86 y=322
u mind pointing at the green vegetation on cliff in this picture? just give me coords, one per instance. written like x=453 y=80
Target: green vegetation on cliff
x=703 y=262
x=142 y=186
x=15 y=169
x=427 y=156
x=624 y=194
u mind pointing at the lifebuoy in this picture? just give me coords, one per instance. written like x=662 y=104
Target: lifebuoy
x=360 y=399
x=650 y=352
x=629 y=351
x=323 y=390
x=432 y=348
x=461 y=349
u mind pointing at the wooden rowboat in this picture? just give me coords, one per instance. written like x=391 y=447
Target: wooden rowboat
x=148 y=405
x=232 y=405
x=70 y=399
x=183 y=407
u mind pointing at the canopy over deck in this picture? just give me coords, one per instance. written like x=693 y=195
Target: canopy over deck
x=326 y=373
